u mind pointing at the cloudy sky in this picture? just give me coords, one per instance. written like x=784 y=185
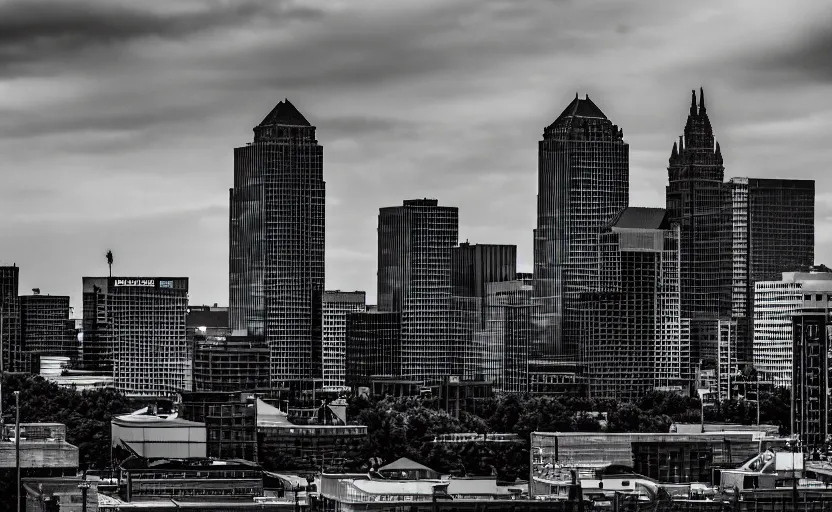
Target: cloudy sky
x=118 y=118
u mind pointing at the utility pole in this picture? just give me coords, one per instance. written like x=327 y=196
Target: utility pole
x=84 y=486
x=17 y=443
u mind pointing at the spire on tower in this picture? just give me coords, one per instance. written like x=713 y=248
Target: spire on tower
x=701 y=101
x=681 y=143
x=718 y=151
x=675 y=152
x=693 y=102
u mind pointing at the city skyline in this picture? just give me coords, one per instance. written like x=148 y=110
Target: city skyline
x=136 y=158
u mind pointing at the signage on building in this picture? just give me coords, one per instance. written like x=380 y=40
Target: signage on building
x=453 y=379
x=165 y=284
x=136 y=282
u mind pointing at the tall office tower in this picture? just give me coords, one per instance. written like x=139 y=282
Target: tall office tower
x=633 y=332
x=415 y=241
x=373 y=346
x=583 y=183
x=775 y=303
x=336 y=305
x=12 y=354
x=473 y=267
x=146 y=321
x=44 y=326
x=277 y=244
x=510 y=332
x=96 y=353
x=810 y=384
x=699 y=201
x=773 y=232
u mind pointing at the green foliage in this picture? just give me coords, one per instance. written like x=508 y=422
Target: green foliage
x=406 y=427
x=86 y=415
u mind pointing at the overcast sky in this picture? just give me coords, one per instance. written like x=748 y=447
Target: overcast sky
x=118 y=119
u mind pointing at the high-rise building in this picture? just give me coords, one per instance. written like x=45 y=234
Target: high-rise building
x=810 y=374
x=145 y=319
x=775 y=303
x=277 y=244
x=12 y=354
x=634 y=337
x=415 y=241
x=510 y=331
x=44 y=326
x=583 y=183
x=336 y=305
x=700 y=202
x=773 y=232
x=373 y=346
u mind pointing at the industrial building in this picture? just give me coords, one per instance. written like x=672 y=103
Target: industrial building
x=277 y=244
x=336 y=306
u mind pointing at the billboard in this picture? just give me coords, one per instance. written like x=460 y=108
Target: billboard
x=135 y=283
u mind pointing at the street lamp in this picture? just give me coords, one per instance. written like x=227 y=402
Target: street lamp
x=17 y=442
x=84 y=486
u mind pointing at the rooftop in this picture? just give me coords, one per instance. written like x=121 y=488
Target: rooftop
x=133 y=462
x=637 y=217
x=582 y=108
x=285 y=114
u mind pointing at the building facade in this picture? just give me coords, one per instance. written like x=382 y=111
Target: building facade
x=44 y=326
x=415 y=242
x=634 y=339
x=474 y=266
x=810 y=381
x=773 y=231
x=775 y=303
x=234 y=363
x=372 y=346
x=336 y=306
x=12 y=353
x=277 y=244
x=145 y=320
x=583 y=183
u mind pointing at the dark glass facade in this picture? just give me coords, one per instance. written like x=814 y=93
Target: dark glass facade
x=44 y=326
x=277 y=244
x=230 y=422
x=474 y=266
x=810 y=378
x=773 y=232
x=12 y=353
x=415 y=241
x=372 y=346
x=233 y=363
x=583 y=183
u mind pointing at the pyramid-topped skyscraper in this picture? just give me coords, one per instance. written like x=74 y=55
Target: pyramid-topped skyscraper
x=277 y=245
x=583 y=184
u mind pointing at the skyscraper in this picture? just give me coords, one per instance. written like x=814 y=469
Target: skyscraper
x=697 y=200
x=336 y=305
x=10 y=344
x=277 y=244
x=44 y=326
x=144 y=321
x=415 y=241
x=634 y=338
x=583 y=183
x=773 y=232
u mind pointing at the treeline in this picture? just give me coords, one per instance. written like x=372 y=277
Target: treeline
x=407 y=427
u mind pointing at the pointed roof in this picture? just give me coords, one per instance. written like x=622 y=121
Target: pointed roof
x=286 y=114
x=582 y=108
x=637 y=217
x=405 y=464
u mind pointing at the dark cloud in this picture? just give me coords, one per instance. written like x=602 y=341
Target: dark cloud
x=807 y=58
x=35 y=30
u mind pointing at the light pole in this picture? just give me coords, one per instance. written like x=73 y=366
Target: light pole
x=17 y=443
x=84 y=486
